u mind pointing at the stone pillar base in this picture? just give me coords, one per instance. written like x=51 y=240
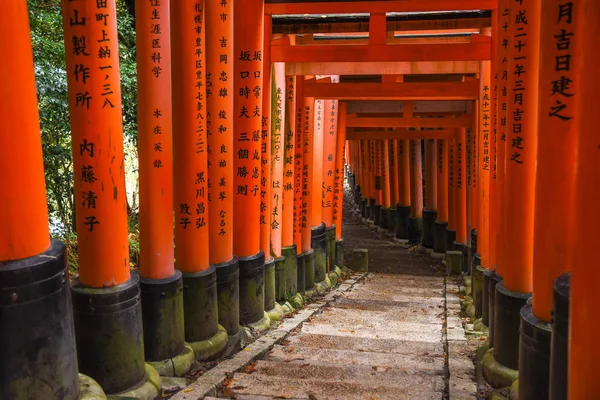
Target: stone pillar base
x=252 y=292
x=429 y=217
x=360 y=260
x=496 y=374
x=440 y=243
x=212 y=347
x=415 y=230
x=559 y=344
x=477 y=282
x=402 y=214
x=454 y=260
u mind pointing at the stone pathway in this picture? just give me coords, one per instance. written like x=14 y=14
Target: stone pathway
x=396 y=334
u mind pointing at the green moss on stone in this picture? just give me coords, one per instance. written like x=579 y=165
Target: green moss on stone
x=211 y=348
x=513 y=393
x=150 y=389
x=276 y=313
x=89 y=389
x=495 y=373
x=176 y=366
x=261 y=325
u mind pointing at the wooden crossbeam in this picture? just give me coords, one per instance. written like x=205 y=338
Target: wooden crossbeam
x=382 y=68
x=468 y=90
x=309 y=39
x=415 y=122
x=400 y=134
x=382 y=6
x=414 y=25
x=479 y=50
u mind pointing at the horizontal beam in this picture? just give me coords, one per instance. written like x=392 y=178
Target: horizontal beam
x=309 y=40
x=309 y=26
x=381 y=6
x=474 y=51
x=448 y=122
x=468 y=90
x=388 y=106
x=400 y=134
x=383 y=68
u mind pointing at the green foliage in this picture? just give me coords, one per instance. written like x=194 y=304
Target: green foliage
x=49 y=58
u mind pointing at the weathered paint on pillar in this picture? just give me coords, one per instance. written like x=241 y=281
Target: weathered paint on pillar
x=247 y=124
x=25 y=233
x=338 y=195
x=287 y=208
x=503 y=99
x=316 y=212
x=556 y=156
x=404 y=172
x=299 y=165
x=442 y=180
x=330 y=121
x=493 y=204
x=308 y=122
x=584 y=324
x=393 y=146
x=416 y=175
x=460 y=192
x=277 y=156
x=190 y=195
x=483 y=170
x=431 y=174
x=265 y=154
x=220 y=127
x=97 y=142
x=522 y=145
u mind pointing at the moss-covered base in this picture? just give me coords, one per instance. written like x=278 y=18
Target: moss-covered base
x=323 y=286
x=276 y=313
x=149 y=389
x=261 y=325
x=478 y=326
x=495 y=373
x=360 y=260
x=89 y=389
x=175 y=366
x=236 y=342
x=437 y=256
x=513 y=393
x=297 y=301
x=335 y=276
x=212 y=348
x=454 y=262
x=311 y=293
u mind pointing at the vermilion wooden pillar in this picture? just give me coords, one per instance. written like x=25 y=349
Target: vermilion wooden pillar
x=378 y=172
x=386 y=195
x=330 y=132
x=430 y=209
x=35 y=305
x=555 y=167
x=162 y=315
x=220 y=117
x=299 y=182
x=247 y=123
x=338 y=190
x=308 y=126
x=441 y=223
x=583 y=375
x=451 y=228
x=393 y=154
x=289 y=250
x=415 y=221
x=513 y=292
x=101 y=206
x=404 y=189
x=460 y=195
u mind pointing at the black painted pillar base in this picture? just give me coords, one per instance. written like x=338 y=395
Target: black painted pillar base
x=477 y=283
x=200 y=310
x=252 y=288
x=376 y=214
x=280 y=287
x=370 y=209
x=559 y=344
x=506 y=325
x=534 y=355
x=309 y=270
x=384 y=214
x=494 y=280
x=228 y=295
x=472 y=248
x=319 y=245
x=162 y=316
x=110 y=337
x=415 y=230
x=392 y=220
x=330 y=246
x=339 y=253
x=450 y=238
x=429 y=217
x=402 y=215
x=485 y=295
x=38 y=359
x=301 y=273
x=270 y=284
x=357 y=195
x=363 y=208
x=463 y=249
x=440 y=242
x=291 y=269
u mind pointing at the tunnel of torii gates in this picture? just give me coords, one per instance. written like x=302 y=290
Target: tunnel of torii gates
x=472 y=133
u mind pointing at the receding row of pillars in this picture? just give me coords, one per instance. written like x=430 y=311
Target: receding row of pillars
x=241 y=189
